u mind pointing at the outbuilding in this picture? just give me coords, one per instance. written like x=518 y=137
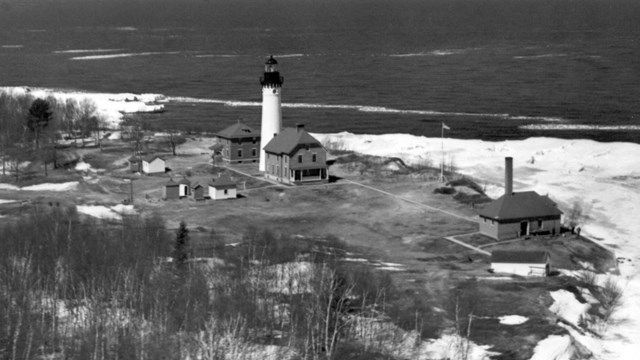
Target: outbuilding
x=295 y=157
x=521 y=262
x=184 y=187
x=198 y=192
x=171 y=190
x=135 y=163
x=517 y=214
x=153 y=164
x=222 y=188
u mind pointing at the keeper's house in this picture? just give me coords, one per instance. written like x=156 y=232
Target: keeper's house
x=240 y=143
x=295 y=157
x=517 y=214
x=518 y=262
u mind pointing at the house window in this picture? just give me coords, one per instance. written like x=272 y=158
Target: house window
x=273 y=169
x=314 y=157
x=226 y=191
x=278 y=170
x=254 y=152
x=539 y=223
x=255 y=140
x=239 y=153
x=285 y=172
x=286 y=159
x=299 y=159
x=485 y=220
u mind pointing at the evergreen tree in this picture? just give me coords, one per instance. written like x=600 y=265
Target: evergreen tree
x=38 y=118
x=181 y=247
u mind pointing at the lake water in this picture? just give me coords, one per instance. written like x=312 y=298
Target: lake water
x=489 y=69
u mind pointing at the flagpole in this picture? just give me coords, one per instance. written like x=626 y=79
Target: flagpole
x=442 y=151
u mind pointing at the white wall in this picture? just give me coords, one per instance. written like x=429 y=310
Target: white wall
x=271 y=119
x=155 y=166
x=519 y=269
x=218 y=194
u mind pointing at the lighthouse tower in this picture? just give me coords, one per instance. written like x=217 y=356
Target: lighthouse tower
x=271 y=110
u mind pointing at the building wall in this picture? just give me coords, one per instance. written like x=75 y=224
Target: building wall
x=198 y=193
x=184 y=190
x=505 y=231
x=532 y=269
x=271 y=118
x=219 y=194
x=155 y=166
x=247 y=146
x=282 y=168
x=171 y=193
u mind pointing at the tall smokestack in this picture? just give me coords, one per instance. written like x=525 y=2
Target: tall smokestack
x=508 y=175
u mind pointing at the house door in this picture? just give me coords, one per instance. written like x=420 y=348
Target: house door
x=524 y=227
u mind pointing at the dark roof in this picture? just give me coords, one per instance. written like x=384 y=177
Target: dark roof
x=135 y=159
x=196 y=185
x=288 y=140
x=520 y=256
x=184 y=181
x=150 y=158
x=271 y=61
x=223 y=182
x=520 y=205
x=171 y=183
x=238 y=130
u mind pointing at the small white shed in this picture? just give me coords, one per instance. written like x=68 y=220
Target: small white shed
x=153 y=165
x=184 y=187
x=222 y=188
x=521 y=262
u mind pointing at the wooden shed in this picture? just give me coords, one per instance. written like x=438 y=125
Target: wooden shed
x=171 y=190
x=198 y=192
x=521 y=262
x=184 y=188
x=153 y=164
x=135 y=164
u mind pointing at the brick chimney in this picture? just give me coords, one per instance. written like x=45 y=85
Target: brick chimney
x=508 y=175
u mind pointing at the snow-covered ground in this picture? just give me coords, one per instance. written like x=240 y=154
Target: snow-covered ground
x=603 y=178
x=72 y=185
x=512 y=319
x=103 y=212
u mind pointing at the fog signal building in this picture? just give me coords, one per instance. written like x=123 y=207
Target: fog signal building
x=517 y=214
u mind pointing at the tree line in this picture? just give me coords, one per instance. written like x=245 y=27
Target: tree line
x=31 y=128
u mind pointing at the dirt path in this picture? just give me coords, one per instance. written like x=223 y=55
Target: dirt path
x=462 y=217
x=454 y=240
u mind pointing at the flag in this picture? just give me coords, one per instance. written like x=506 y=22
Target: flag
x=444 y=126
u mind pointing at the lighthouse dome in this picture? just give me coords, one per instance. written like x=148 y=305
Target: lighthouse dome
x=271 y=61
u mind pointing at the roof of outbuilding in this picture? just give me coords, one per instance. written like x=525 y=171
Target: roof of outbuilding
x=238 y=130
x=520 y=256
x=520 y=205
x=150 y=158
x=222 y=182
x=184 y=181
x=171 y=183
x=288 y=139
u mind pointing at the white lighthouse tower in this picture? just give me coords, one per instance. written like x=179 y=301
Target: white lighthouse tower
x=271 y=109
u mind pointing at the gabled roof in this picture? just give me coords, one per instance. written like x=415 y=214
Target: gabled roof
x=223 y=182
x=520 y=256
x=171 y=183
x=288 y=139
x=184 y=181
x=135 y=159
x=520 y=205
x=196 y=185
x=238 y=130
x=150 y=158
